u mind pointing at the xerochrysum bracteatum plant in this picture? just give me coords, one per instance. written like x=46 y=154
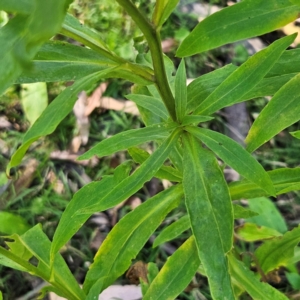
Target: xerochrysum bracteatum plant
x=172 y=113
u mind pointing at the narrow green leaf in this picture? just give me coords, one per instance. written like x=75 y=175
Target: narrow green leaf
x=17 y=6
x=284 y=180
x=220 y=28
x=172 y=231
x=296 y=134
x=176 y=157
x=199 y=89
x=34 y=99
x=38 y=244
x=282 y=111
x=152 y=273
x=163 y=10
x=180 y=91
x=288 y=63
x=278 y=252
x=176 y=274
x=129 y=138
x=155 y=105
x=235 y=156
x=10 y=260
x=241 y=212
x=165 y=172
x=268 y=214
x=134 y=182
x=284 y=70
x=128 y=236
x=147 y=116
x=59 y=61
x=251 y=232
x=53 y=115
x=245 y=78
x=268 y=86
x=183 y=224
x=192 y=119
x=211 y=215
x=12 y=223
x=72 y=28
x=250 y=282
x=70 y=222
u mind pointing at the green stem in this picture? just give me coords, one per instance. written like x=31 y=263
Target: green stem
x=153 y=39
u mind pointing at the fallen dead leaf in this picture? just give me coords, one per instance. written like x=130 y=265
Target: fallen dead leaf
x=290 y=29
x=26 y=175
x=67 y=155
x=113 y=292
x=56 y=183
x=4 y=123
x=136 y=271
x=122 y=292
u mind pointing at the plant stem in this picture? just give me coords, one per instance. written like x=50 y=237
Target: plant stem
x=153 y=39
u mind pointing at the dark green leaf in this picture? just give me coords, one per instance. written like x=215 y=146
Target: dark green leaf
x=183 y=224
x=180 y=91
x=268 y=86
x=211 y=214
x=284 y=180
x=53 y=115
x=155 y=105
x=90 y=194
x=129 y=138
x=235 y=156
x=199 y=89
x=245 y=78
x=282 y=111
x=134 y=182
x=192 y=119
x=221 y=27
x=172 y=231
x=58 y=61
x=165 y=172
x=127 y=238
x=288 y=63
x=176 y=274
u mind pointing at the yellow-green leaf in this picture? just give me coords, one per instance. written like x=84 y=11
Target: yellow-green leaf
x=176 y=274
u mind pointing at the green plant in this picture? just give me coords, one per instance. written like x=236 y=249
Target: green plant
x=172 y=113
